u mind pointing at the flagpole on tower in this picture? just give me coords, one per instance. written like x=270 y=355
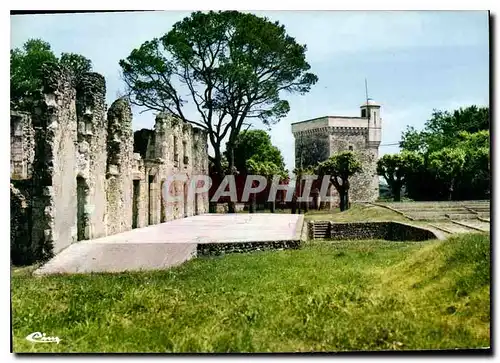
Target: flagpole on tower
x=366 y=90
x=366 y=93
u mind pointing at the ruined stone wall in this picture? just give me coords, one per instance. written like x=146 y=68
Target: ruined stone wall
x=390 y=231
x=22 y=145
x=140 y=194
x=200 y=160
x=119 y=171
x=91 y=156
x=74 y=173
x=69 y=167
x=20 y=226
x=170 y=134
x=172 y=148
x=54 y=183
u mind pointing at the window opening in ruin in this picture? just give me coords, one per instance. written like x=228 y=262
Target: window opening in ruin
x=150 y=199
x=82 y=202
x=350 y=147
x=184 y=152
x=135 y=204
x=176 y=151
x=363 y=113
x=185 y=200
x=163 y=217
x=196 y=204
x=374 y=115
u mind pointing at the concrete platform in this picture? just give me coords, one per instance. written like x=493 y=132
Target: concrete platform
x=168 y=244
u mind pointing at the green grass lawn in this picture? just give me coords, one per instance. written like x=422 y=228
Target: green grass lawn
x=357 y=213
x=325 y=297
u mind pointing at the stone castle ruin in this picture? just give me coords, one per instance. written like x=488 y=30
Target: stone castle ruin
x=318 y=139
x=79 y=172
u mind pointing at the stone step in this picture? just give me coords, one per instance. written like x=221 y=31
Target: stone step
x=451 y=227
x=476 y=225
x=432 y=209
x=439 y=205
x=462 y=216
x=426 y=205
x=485 y=209
x=461 y=211
x=425 y=213
x=427 y=217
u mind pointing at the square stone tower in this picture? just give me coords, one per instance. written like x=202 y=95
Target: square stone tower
x=318 y=139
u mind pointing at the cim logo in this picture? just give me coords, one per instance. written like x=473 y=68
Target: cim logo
x=39 y=337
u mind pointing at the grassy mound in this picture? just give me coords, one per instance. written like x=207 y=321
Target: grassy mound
x=352 y=295
x=357 y=213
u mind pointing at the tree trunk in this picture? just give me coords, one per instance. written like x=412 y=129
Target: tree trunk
x=346 y=185
x=294 y=204
x=299 y=203
x=212 y=207
x=217 y=160
x=397 y=194
x=272 y=206
x=342 y=201
x=230 y=152
x=253 y=204
x=347 y=204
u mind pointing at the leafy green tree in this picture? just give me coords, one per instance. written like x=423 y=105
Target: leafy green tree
x=396 y=168
x=26 y=71
x=256 y=145
x=233 y=67
x=265 y=168
x=444 y=128
x=476 y=174
x=340 y=167
x=77 y=63
x=309 y=150
x=448 y=164
x=465 y=129
x=413 y=140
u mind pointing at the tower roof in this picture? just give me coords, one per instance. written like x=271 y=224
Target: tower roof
x=370 y=102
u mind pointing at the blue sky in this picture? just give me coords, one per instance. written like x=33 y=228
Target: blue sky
x=414 y=61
